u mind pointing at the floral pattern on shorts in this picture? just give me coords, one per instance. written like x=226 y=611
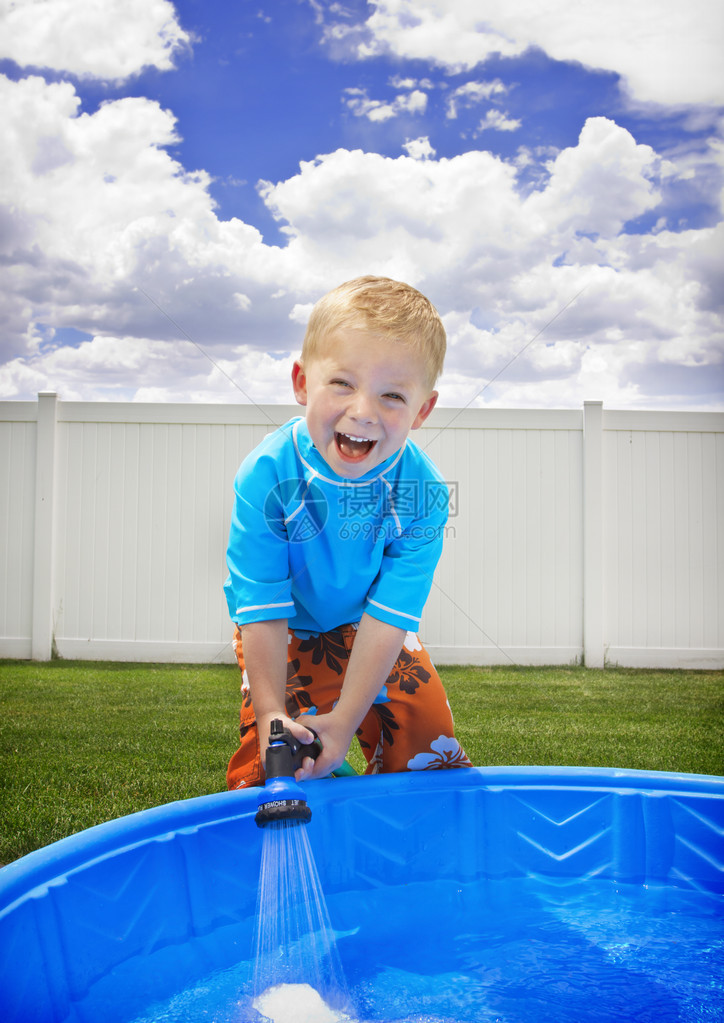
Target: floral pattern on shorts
x=298 y=700
x=408 y=673
x=328 y=647
x=446 y=751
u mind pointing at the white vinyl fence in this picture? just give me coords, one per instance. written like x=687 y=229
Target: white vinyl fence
x=587 y=536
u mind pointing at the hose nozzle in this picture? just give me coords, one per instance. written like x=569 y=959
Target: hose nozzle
x=282 y=798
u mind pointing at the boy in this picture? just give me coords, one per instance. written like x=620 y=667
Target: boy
x=336 y=531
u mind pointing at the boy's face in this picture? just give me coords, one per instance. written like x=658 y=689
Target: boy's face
x=363 y=393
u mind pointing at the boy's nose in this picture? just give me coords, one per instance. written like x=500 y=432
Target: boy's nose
x=362 y=408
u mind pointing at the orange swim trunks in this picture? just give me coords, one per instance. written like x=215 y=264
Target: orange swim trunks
x=409 y=727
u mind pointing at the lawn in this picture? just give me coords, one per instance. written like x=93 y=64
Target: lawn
x=81 y=742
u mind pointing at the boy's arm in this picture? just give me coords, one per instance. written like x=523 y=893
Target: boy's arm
x=265 y=658
x=377 y=646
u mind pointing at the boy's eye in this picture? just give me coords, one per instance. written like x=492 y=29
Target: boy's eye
x=395 y=397
x=340 y=383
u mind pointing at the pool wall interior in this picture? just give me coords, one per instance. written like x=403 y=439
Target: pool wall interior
x=75 y=911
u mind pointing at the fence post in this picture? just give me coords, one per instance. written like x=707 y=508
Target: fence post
x=43 y=552
x=593 y=609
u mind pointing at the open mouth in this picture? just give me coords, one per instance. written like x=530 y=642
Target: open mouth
x=353 y=449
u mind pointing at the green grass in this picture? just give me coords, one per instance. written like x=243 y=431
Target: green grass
x=644 y=720
x=81 y=742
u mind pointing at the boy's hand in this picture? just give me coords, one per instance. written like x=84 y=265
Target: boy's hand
x=335 y=738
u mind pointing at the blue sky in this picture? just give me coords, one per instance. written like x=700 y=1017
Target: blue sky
x=205 y=170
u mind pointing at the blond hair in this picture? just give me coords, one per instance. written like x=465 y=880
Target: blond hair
x=381 y=306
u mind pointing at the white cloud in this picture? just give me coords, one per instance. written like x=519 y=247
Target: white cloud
x=409 y=217
x=667 y=52
x=301 y=312
x=464 y=215
x=109 y=39
x=446 y=32
x=598 y=186
x=472 y=93
x=398 y=82
x=93 y=209
x=461 y=231
x=498 y=121
x=361 y=105
x=109 y=368
x=419 y=149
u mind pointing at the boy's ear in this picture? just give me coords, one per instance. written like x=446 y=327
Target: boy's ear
x=299 y=382
x=425 y=411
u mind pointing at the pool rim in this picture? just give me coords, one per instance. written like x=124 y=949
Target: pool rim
x=43 y=866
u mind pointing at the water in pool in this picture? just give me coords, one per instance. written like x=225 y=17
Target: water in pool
x=517 y=951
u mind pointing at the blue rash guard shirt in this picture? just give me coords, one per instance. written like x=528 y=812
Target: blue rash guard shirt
x=320 y=550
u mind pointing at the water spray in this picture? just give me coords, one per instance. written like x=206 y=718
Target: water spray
x=282 y=798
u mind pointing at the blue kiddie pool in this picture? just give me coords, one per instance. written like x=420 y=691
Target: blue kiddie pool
x=517 y=895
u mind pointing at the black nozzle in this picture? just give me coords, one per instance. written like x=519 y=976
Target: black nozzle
x=285 y=753
x=282 y=799
x=283 y=805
